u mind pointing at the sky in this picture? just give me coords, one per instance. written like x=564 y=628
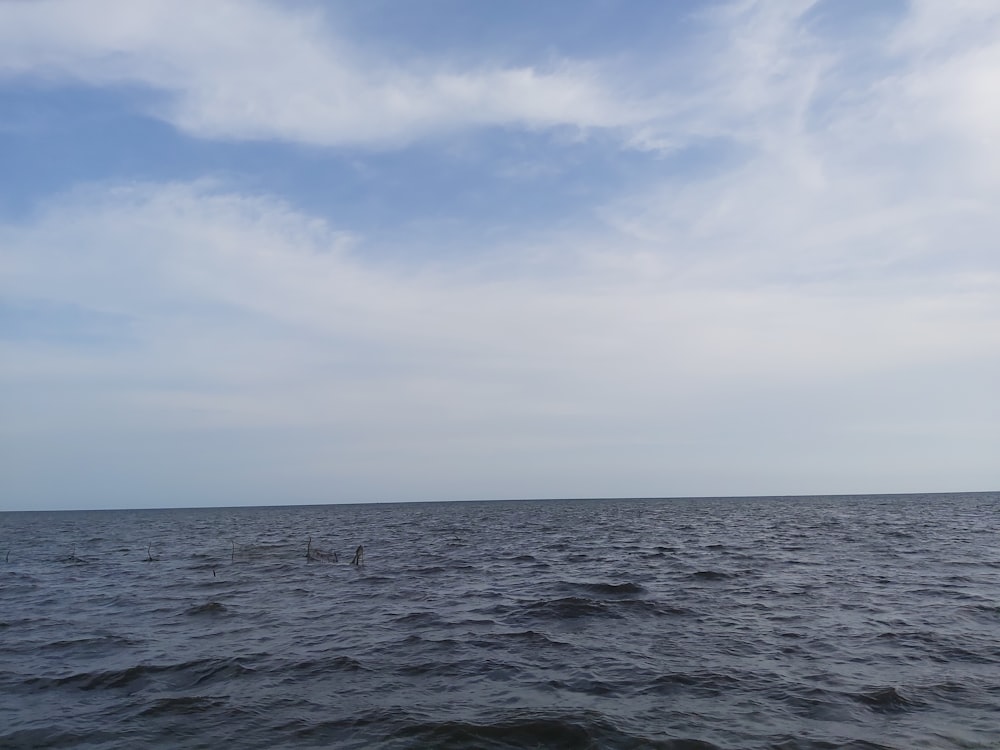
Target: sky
x=315 y=252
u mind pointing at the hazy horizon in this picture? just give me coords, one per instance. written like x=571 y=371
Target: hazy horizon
x=651 y=498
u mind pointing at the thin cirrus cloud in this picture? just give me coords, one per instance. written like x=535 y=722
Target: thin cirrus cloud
x=868 y=157
x=257 y=71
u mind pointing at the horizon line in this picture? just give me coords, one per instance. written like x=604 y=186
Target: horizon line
x=794 y=496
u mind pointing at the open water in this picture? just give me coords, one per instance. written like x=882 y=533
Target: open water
x=780 y=623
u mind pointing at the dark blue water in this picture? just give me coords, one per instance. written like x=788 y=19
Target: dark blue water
x=861 y=622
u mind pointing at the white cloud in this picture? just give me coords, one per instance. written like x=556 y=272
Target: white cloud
x=807 y=96
x=252 y=70
x=852 y=173
x=761 y=75
x=248 y=317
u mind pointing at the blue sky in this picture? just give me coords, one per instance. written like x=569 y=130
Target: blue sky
x=306 y=252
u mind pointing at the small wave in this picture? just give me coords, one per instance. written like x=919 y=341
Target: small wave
x=103 y=640
x=29 y=739
x=886 y=700
x=797 y=743
x=607 y=589
x=324 y=665
x=209 y=608
x=585 y=685
x=329 y=731
x=372 y=579
x=187 y=674
x=989 y=612
x=520 y=637
x=549 y=732
x=648 y=607
x=475 y=622
x=710 y=575
x=708 y=684
x=948 y=690
x=210 y=566
x=567 y=607
x=184 y=705
x=462 y=668
x=418 y=618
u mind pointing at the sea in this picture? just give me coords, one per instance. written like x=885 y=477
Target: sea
x=786 y=623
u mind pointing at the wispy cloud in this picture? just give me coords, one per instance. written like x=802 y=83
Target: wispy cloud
x=848 y=173
x=246 y=315
x=763 y=74
x=250 y=70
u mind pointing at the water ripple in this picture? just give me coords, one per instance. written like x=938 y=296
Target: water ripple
x=849 y=623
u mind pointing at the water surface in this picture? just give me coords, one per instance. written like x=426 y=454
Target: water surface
x=779 y=623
